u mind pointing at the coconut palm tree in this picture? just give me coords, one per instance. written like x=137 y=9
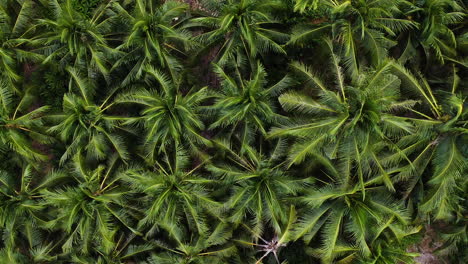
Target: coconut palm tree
x=437 y=143
x=260 y=190
x=246 y=107
x=19 y=127
x=435 y=35
x=94 y=203
x=125 y=249
x=21 y=213
x=154 y=39
x=70 y=39
x=365 y=29
x=242 y=29
x=273 y=246
x=170 y=117
x=85 y=127
x=348 y=223
x=356 y=121
x=13 y=36
x=175 y=194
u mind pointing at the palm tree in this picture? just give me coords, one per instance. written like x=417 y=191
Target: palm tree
x=86 y=127
x=361 y=27
x=438 y=142
x=92 y=210
x=348 y=224
x=355 y=121
x=13 y=31
x=175 y=194
x=20 y=127
x=245 y=107
x=435 y=35
x=170 y=117
x=70 y=39
x=21 y=214
x=242 y=29
x=155 y=38
x=260 y=189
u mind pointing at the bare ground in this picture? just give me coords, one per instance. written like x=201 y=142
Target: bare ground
x=428 y=246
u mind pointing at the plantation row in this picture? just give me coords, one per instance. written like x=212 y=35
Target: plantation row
x=233 y=131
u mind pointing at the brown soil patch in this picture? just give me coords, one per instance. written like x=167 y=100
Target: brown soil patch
x=428 y=246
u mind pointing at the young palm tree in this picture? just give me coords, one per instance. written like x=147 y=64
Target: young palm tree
x=155 y=39
x=20 y=127
x=242 y=29
x=260 y=189
x=170 y=117
x=70 y=39
x=89 y=211
x=246 y=107
x=175 y=194
x=85 y=127
x=354 y=121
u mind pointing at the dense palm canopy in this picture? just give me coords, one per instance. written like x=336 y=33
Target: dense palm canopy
x=233 y=131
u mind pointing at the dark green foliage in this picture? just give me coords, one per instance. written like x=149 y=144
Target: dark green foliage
x=85 y=7
x=232 y=131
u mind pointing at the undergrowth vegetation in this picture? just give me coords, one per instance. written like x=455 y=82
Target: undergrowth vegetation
x=232 y=131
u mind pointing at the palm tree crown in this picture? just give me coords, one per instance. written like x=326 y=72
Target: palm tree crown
x=245 y=107
x=155 y=38
x=170 y=117
x=241 y=28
